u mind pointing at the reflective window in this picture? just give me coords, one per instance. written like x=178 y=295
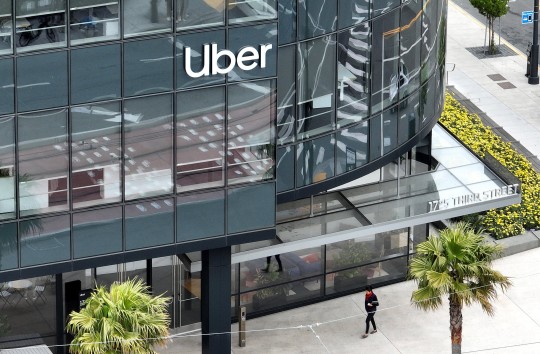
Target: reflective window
x=251 y=136
x=44 y=240
x=316 y=65
x=376 y=139
x=96 y=154
x=200 y=139
x=428 y=101
x=95 y=73
x=148 y=66
x=7 y=88
x=251 y=10
x=353 y=74
x=143 y=16
x=148 y=146
x=258 y=61
x=316 y=17
x=193 y=213
x=429 y=38
x=8 y=246
x=43 y=162
x=389 y=129
x=385 y=60
x=285 y=168
x=352 y=147
x=195 y=14
x=40 y=24
x=6 y=28
x=411 y=46
x=97 y=232
x=286 y=94
x=315 y=160
x=287 y=21
x=149 y=224
x=379 y=7
x=409 y=117
x=259 y=213
x=352 y=12
x=7 y=168
x=42 y=81
x=93 y=20
x=197 y=70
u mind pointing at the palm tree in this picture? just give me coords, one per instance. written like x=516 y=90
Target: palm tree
x=456 y=263
x=125 y=319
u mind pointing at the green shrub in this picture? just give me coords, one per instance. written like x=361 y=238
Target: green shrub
x=514 y=219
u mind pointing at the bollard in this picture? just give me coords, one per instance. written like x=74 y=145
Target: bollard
x=242 y=326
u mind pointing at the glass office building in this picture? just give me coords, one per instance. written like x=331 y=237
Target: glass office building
x=172 y=140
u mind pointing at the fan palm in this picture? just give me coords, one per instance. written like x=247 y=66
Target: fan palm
x=124 y=319
x=457 y=263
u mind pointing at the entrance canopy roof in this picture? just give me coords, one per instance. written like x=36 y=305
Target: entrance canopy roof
x=460 y=184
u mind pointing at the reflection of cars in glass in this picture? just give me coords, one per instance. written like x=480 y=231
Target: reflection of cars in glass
x=399 y=81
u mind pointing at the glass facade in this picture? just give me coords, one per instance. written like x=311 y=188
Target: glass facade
x=127 y=125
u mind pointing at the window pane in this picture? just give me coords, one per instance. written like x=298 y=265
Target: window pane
x=375 y=138
x=315 y=160
x=42 y=81
x=257 y=214
x=7 y=168
x=40 y=24
x=353 y=74
x=93 y=21
x=251 y=10
x=385 y=60
x=316 y=63
x=8 y=246
x=148 y=146
x=411 y=46
x=250 y=150
x=316 y=17
x=263 y=38
x=286 y=94
x=429 y=39
x=97 y=232
x=194 y=14
x=197 y=65
x=353 y=144
x=428 y=100
x=193 y=213
x=149 y=224
x=409 y=117
x=285 y=168
x=96 y=154
x=287 y=21
x=86 y=86
x=44 y=240
x=6 y=28
x=148 y=66
x=7 y=89
x=43 y=162
x=380 y=7
x=143 y=16
x=200 y=139
x=352 y=12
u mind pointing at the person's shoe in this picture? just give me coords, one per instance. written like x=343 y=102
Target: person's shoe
x=374 y=331
x=364 y=335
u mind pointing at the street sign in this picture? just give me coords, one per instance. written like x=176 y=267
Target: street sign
x=527 y=17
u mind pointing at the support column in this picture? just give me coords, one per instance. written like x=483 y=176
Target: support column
x=216 y=300
x=60 y=316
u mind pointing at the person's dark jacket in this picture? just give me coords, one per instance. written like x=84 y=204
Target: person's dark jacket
x=369 y=300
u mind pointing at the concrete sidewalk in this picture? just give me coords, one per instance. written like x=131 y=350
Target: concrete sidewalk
x=336 y=326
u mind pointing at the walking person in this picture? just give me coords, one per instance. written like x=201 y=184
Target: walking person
x=371 y=303
x=267 y=269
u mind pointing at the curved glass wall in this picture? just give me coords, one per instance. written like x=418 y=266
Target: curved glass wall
x=140 y=107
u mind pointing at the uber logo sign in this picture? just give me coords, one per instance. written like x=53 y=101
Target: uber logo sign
x=248 y=58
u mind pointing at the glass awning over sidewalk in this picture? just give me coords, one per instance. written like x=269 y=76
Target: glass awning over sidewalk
x=460 y=184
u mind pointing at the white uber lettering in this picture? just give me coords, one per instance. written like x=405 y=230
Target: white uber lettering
x=248 y=58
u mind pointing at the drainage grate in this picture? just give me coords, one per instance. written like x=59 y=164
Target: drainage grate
x=496 y=77
x=481 y=52
x=506 y=85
